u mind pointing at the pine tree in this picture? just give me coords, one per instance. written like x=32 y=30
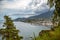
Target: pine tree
x=9 y=32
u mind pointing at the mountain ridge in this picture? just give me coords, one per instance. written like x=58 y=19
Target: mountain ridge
x=45 y=15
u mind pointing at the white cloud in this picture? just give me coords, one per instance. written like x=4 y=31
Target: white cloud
x=22 y=4
x=38 y=3
x=15 y=4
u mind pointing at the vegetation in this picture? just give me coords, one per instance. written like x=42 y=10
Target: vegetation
x=49 y=34
x=9 y=32
x=54 y=33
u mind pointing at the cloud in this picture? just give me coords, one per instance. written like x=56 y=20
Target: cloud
x=10 y=7
x=22 y=4
x=15 y=4
x=37 y=3
x=25 y=5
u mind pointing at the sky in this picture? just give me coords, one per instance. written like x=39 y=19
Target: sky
x=20 y=4
x=23 y=8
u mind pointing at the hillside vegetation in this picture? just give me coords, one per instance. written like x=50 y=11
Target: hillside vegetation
x=49 y=34
x=54 y=33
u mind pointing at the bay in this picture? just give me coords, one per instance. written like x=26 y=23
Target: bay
x=27 y=29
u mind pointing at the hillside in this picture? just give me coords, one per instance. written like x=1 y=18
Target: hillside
x=46 y=15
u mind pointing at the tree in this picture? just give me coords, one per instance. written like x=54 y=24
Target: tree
x=50 y=34
x=56 y=16
x=9 y=32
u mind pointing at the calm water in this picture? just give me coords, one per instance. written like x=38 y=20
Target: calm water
x=26 y=29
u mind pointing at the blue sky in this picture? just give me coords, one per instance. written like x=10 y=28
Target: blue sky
x=26 y=7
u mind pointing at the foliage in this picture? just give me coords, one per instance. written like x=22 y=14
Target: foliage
x=52 y=34
x=56 y=16
x=9 y=32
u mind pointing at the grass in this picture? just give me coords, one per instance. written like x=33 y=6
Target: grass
x=49 y=34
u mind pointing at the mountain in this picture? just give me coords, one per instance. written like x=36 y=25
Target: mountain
x=45 y=15
x=20 y=19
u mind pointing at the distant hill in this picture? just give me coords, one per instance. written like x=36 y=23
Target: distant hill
x=46 y=15
x=20 y=19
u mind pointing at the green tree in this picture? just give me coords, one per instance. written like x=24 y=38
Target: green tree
x=56 y=16
x=9 y=32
